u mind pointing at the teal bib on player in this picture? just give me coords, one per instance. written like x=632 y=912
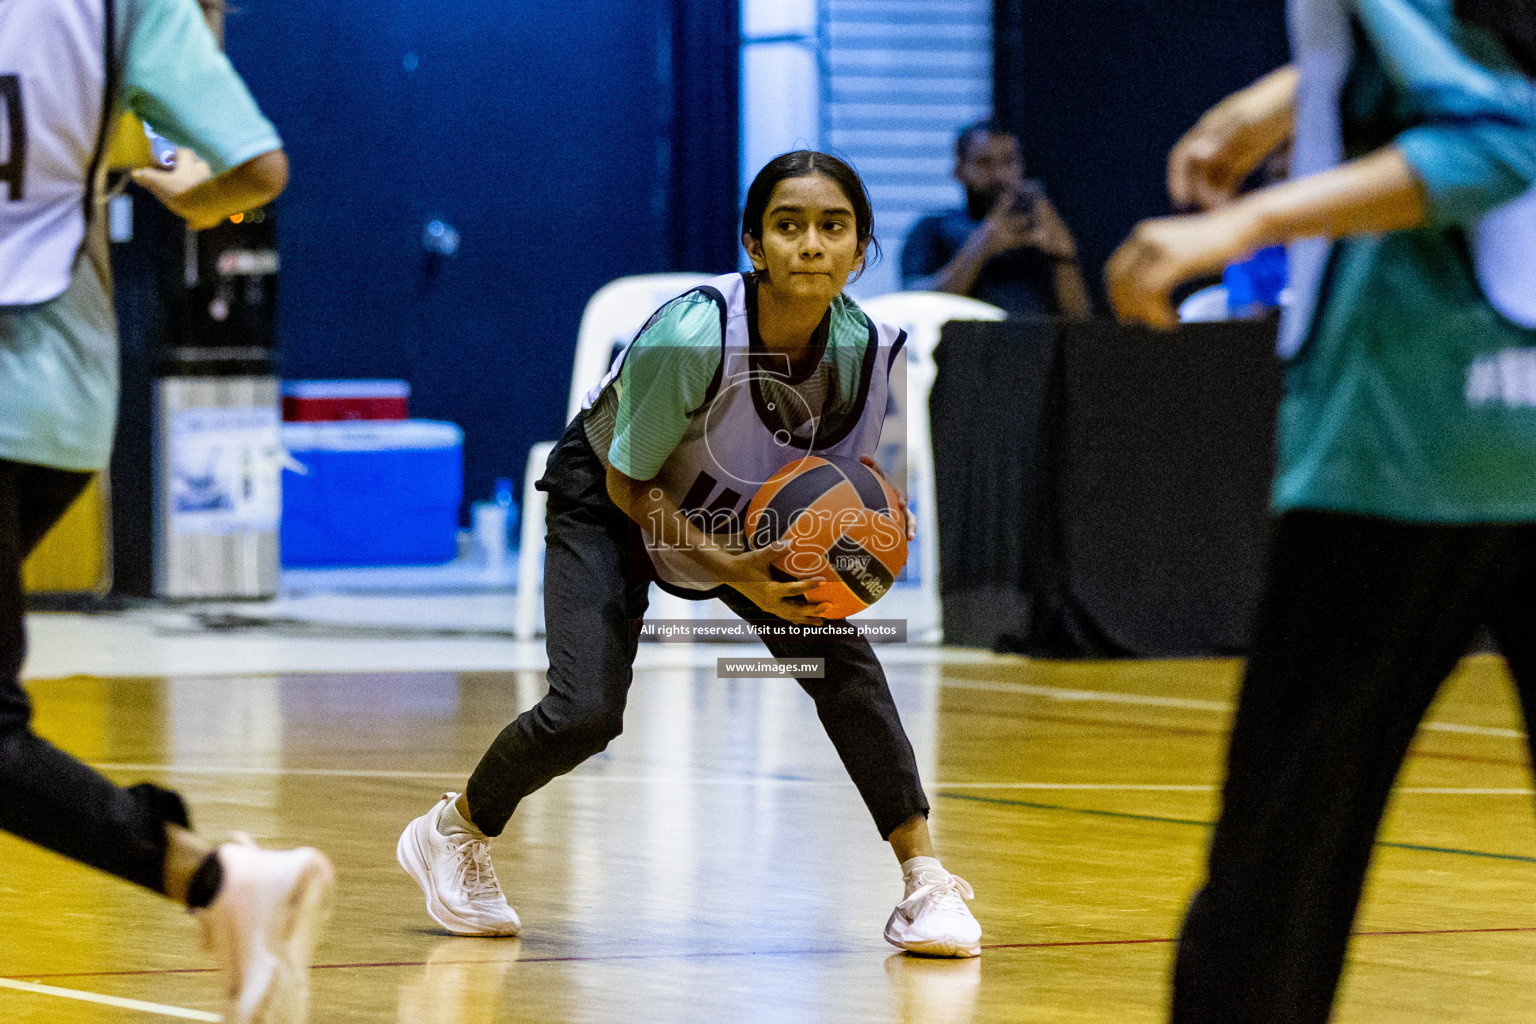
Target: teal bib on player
x=1411 y=384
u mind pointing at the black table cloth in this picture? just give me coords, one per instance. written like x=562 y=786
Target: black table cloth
x=1103 y=491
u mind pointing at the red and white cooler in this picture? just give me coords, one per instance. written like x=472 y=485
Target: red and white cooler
x=314 y=401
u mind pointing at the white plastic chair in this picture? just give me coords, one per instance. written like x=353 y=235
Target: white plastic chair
x=922 y=315
x=613 y=315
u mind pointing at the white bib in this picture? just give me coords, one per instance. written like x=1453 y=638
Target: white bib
x=1504 y=253
x=54 y=77
x=729 y=449
x=1323 y=50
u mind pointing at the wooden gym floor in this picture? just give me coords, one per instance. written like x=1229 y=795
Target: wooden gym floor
x=716 y=866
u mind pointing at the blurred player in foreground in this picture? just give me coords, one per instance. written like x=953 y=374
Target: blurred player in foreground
x=67 y=70
x=1405 y=491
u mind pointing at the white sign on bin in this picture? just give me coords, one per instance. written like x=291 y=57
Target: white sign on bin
x=226 y=467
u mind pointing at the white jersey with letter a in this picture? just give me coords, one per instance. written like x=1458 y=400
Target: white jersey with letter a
x=55 y=72
x=735 y=441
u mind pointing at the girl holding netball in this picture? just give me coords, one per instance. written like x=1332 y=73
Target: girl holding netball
x=1405 y=490
x=724 y=386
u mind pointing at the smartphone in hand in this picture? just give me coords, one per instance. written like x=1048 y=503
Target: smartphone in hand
x=1026 y=199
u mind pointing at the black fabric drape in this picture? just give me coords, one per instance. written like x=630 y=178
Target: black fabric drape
x=988 y=408
x=1098 y=92
x=1162 y=495
x=1103 y=492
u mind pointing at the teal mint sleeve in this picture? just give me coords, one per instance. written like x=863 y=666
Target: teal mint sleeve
x=666 y=376
x=1469 y=170
x=176 y=80
x=1475 y=146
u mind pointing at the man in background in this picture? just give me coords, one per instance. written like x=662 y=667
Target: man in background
x=1008 y=246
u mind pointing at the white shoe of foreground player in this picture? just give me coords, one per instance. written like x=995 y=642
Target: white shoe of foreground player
x=263 y=926
x=933 y=920
x=456 y=875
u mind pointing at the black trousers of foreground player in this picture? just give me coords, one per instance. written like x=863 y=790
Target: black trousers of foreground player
x=1361 y=621
x=596 y=576
x=47 y=796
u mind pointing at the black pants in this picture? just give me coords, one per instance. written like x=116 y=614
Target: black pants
x=47 y=796
x=1360 y=622
x=596 y=576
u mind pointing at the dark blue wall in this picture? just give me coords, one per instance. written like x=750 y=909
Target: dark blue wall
x=1100 y=90
x=544 y=133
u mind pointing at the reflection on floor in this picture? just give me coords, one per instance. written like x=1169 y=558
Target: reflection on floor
x=715 y=864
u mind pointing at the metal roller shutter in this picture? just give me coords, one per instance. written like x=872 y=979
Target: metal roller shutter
x=899 y=78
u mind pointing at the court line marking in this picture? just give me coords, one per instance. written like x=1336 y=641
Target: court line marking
x=1133 y=725
x=1149 y=942
x=745 y=780
x=105 y=1000
x=1475 y=730
x=460 y=776
x=1115 y=787
x=765 y=780
x=1183 y=703
x=1464 y=791
x=943 y=658
x=698 y=657
x=320 y=773
x=713 y=954
x=1090 y=787
x=1073 y=696
x=1161 y=819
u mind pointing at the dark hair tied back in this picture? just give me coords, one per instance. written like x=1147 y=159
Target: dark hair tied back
x=1512 y=21
x=801 y=164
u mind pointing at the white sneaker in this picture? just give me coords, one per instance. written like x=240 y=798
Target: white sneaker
x=456 y=875
x=933 y=920
x=262 y=926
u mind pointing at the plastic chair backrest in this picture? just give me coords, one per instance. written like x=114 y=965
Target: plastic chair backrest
x=923 y=315
x=614 y=313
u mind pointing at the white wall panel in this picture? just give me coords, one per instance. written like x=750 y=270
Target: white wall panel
x=780 y=103
x=764 y=19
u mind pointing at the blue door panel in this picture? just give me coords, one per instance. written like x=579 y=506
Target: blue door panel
x=538 y=131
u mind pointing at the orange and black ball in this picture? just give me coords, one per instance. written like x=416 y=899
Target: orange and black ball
x=840 y=520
